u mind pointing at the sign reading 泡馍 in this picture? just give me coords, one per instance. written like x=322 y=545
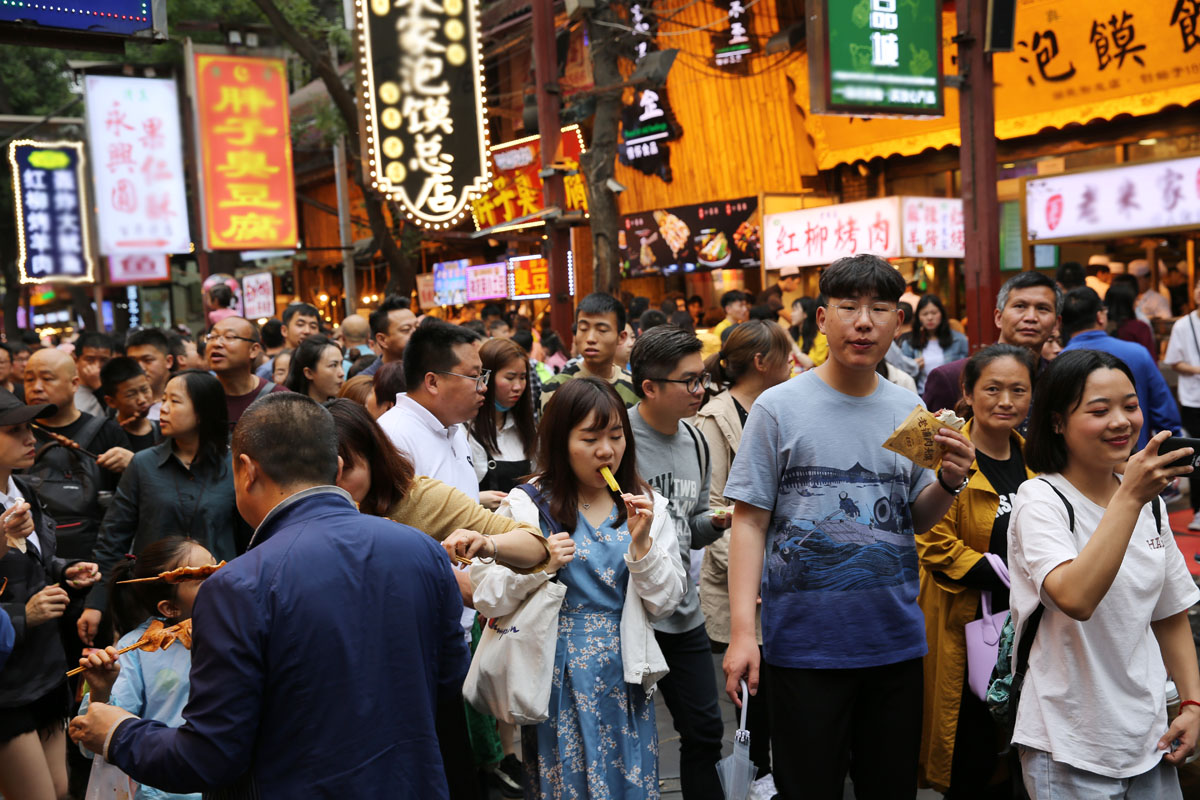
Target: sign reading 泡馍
x=876 y=58
x=516 y=189
x=422 y=104
x=52 y=211
x=732 y=47
x=244 y=148
x=648 y=123
x=137 y=168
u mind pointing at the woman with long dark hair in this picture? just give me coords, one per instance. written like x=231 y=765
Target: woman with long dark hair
x=1095 y=568
x=317 y=369
x=503 y=435
x=932 y=342
x=805 y=333
x=183 y=485
x=599 y=739
x=958 y=748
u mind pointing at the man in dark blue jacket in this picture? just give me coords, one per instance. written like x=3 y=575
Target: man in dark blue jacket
x=319 y=655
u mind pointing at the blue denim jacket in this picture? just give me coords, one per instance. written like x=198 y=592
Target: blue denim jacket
x=317 y=663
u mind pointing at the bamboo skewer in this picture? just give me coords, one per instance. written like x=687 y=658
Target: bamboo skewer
x=63 y=440
x=144 y=641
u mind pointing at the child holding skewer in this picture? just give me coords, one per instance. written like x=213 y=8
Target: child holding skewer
x=152 y=685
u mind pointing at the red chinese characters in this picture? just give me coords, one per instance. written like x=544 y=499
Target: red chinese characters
x=245 y=152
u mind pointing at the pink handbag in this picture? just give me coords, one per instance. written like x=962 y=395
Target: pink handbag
x=983 y=635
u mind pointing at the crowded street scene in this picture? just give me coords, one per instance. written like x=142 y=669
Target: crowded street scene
x=599 y=400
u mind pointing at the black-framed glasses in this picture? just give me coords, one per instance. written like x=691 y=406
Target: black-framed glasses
x=692 y=384
x=880 y=313
x=226 y=337
x=481 y=380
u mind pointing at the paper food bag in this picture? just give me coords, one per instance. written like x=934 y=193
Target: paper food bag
x=914 y=438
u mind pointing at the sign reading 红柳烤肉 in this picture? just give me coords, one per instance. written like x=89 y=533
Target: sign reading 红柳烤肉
x=876 y=58
x=422 y=104
x=732 y=47
x=245 y=152
x=720 y=235
x=53 y=239
x=137 y=165
x=1147 y=197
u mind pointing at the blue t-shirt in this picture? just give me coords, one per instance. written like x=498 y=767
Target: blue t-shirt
x=839 y=586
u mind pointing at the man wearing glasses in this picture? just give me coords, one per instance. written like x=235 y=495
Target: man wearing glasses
x=231 y=348
x=669 y=377
x=446 y=382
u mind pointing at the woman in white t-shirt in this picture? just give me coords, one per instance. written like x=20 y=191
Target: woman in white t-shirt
x=1092 y=719
x=1183 y=356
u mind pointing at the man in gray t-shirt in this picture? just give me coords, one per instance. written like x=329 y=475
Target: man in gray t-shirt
x=669 y=377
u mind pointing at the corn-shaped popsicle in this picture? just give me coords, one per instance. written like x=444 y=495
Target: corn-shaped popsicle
x=606 y=473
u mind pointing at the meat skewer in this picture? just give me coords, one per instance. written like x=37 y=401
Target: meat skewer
x=156 y=637
x=180 y=574
x=63 y=440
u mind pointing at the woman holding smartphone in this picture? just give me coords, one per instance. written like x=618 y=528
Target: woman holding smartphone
x=1087 y=547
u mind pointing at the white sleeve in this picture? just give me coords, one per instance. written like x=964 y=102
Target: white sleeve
x=1179 y=591
x=1041 y=537
x=1177 y=350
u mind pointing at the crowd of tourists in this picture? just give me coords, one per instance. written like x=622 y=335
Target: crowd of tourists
x=407 y=558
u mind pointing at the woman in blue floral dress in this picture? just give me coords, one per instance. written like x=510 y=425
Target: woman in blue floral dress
x=599 y=740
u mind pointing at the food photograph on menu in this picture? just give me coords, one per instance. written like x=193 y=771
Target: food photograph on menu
x=720 y=235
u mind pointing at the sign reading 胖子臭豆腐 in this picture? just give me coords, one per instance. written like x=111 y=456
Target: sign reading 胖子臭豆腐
x=54 y=243
x=876 y=58
x=137 y=165
x=516 y=190
x=422 y=105
x=245 y=152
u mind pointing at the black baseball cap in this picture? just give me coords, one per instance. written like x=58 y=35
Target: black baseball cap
x=14 y=412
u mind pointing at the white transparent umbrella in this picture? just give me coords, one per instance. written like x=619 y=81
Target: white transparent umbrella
x=736 y=771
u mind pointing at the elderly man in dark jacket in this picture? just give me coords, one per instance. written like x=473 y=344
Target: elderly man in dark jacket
x=319 y=655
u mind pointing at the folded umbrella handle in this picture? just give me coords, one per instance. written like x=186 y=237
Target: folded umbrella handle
x=745 y=703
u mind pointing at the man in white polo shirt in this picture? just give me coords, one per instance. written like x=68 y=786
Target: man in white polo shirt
x=446 y=382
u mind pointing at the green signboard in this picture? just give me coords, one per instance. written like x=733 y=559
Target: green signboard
x=876 y=58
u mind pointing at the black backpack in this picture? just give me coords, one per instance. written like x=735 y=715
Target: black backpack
x=68 y=485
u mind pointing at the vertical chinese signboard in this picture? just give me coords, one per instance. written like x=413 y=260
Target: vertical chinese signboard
x=52 y=211
x=422 y=104
x=245 y=152
x=137 y=165
x=516 y=189
x=258 y=295
x=648 y=123
x=1150 y=197
x=876 y=58
x=450 y=282
x=426 y=293
x=732 y=48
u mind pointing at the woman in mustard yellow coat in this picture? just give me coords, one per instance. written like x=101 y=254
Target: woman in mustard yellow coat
x=959 y=745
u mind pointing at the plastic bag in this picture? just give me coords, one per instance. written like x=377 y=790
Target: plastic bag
x=109 y=783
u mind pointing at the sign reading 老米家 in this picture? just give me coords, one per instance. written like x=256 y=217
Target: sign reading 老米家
x=126 y=268
x=876 y=58
x=516 y=189
x=244 y=148
x=889 y=227
x=732 y=48
x=487 y=282
x=137 y=165
x=258 y=295
x=51 y=201
x=450 y=282
x=648 y=123
x=1148 y=197
x=422 y=105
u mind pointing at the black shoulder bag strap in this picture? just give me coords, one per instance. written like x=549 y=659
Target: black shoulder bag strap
x=543 y=508
x=267 y=388
x=89 y=431
x=701 y=444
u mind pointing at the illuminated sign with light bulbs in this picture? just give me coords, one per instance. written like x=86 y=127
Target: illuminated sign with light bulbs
x=422 y=105
x=50 y=195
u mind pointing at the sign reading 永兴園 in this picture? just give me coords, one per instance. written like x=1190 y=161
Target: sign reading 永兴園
x=421 y=99
x=52 y=211
x=876 y=58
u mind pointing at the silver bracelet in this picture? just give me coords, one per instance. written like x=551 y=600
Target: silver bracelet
x=495 y=550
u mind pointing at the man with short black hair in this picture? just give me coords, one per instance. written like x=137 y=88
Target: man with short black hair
x=823 y=530
x=736 y=305
x=1085 y=326
x=300 y=321
x=391 y=326
x=231 y=348
x=151 y=348
x=92 y=351
x=1070 y=275
x=498 y=329
x=599 y=329
x=446 y=383
x=669 y=376
x=266 y=614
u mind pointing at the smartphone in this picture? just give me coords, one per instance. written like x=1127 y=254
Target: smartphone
x=1178 y=443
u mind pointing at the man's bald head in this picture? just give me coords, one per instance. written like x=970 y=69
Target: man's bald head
x=356 y=331
x=51 y=377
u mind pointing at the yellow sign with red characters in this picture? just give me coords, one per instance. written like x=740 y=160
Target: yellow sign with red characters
x=245 y=152
x=1073 y=62
x=516 y=191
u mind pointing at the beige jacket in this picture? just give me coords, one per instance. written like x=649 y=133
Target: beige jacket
x=719 y=422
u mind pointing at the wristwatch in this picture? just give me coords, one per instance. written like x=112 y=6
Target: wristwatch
x=953 y=490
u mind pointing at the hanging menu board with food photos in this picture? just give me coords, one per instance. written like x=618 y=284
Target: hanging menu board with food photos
x=719 y=235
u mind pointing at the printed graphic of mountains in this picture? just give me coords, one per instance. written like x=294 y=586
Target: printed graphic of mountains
x=796 y=478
